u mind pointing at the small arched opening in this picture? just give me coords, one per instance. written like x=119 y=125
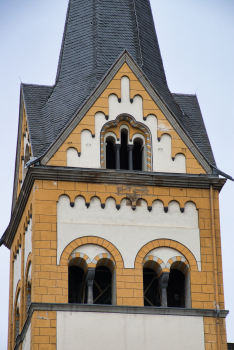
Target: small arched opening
x=124 y=150
x=176 y=289
x=102 y=286
x=77 y=290
x=17 y=315
x=110 y=153
x=151 y=288
x=28 y=287
x=137 y=154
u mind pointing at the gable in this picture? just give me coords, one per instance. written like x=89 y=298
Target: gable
x=125 y=95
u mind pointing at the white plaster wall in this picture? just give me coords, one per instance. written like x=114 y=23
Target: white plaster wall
x=164 y=253
x=28 y=243
x=17 y=272
x=127 y=332
x=72 y=157
x=92 y=250
x=128 y=230
x=27 y=339
x=90 y=147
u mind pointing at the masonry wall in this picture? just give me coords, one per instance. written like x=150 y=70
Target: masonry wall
x=50 y=277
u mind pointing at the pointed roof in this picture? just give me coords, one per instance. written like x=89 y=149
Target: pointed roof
x=95 y=35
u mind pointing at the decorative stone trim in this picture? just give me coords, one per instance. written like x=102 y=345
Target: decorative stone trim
x=136 y=125
x=154 y=263
x=79 y=259
x=170 y=244
x=67 y=254
x=178 y=263
x=104 y=259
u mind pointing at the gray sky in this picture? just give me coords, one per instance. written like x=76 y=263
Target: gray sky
x=196 y=42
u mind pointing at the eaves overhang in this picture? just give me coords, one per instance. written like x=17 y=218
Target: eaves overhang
x=121 y=177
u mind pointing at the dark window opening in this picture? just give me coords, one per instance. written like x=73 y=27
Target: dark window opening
x=176 y=289
x=28 y=296
x=110 y=155
x=102 y=286
x=151 y=290
x=76 y=285
x=124 y=150
x=137 y=156
x=27 y=156
x=17 y=323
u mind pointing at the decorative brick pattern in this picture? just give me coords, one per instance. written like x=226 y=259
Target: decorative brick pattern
x=154 y=263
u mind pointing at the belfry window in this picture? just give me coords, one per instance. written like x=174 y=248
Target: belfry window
x=102 y=286
x=137 y=154
x=125 y=154
x=76 y=285
x=151 y=288
x=176 y=289
x=124 y=162
x=110 y=153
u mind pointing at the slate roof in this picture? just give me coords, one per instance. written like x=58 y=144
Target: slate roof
x=192 y=121
x=96 y=33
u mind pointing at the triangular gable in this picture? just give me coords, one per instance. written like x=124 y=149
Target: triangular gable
x=101 y=94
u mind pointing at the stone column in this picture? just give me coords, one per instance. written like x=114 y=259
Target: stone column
x=117 y=157
x=130 y=162
x=163 y=283
x=89 y=279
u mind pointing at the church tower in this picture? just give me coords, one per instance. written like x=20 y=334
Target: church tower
x=114 y=233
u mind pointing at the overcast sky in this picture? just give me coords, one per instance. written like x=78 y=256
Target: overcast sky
x=196 y=42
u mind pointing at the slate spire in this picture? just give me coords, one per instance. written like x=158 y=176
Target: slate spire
x=98 y=31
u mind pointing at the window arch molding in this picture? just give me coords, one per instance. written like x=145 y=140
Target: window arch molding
x=136 y=125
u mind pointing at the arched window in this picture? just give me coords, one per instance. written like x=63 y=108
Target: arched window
x=110 y=153
x=124 y=163
x=76 y=285
x=17 y=322
x=17 y=315
x=151 y=288
x=102 y=293
x=137 y=154
x=176 y=289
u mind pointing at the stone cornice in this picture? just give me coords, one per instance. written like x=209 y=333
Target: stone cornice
x=134 y=310
x=130 y=178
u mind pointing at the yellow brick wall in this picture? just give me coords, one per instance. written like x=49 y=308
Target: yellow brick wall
x=149 y=107
x=50 y=281
x=43 y=330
